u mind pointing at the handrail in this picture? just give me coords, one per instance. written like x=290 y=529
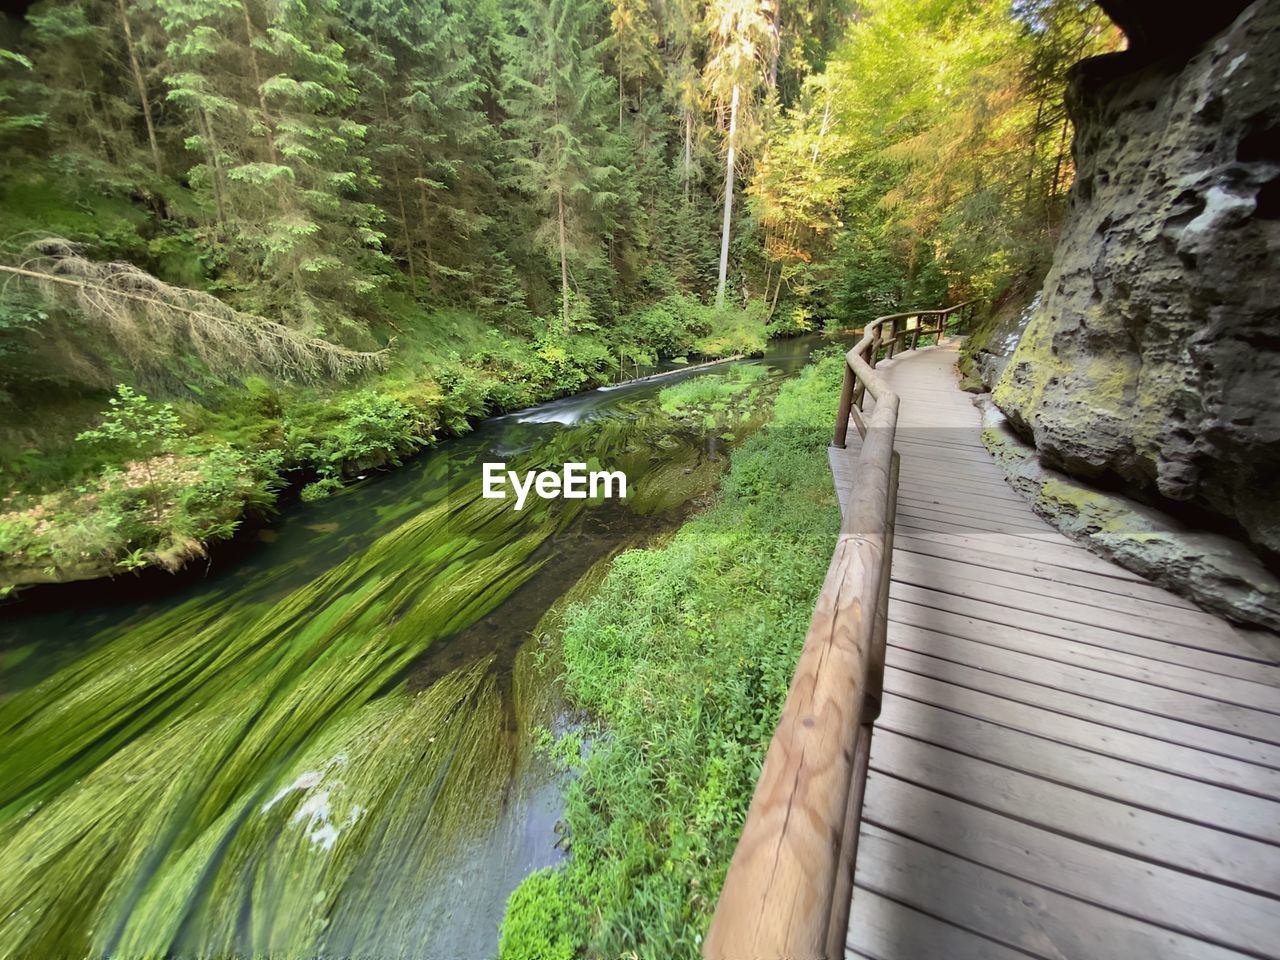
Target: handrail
x=790 y=883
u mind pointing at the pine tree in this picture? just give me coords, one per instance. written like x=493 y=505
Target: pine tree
x=11 y=123
x=430 y=141
x=634 y=43
x=267 y=91
x=95 y=93
x=557 y=100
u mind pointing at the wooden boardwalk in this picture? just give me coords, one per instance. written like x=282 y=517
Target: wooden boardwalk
x=1070 y=762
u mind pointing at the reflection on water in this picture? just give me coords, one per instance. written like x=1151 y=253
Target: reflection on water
x=328 y=747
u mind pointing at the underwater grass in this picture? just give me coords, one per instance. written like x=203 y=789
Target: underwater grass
x=247 y=775
x=131 y=774
x=683 y=657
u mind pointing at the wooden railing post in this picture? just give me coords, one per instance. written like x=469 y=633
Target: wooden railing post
x=846 y=404
x=893 y=339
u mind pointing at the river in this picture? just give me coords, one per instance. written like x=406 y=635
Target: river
x=328 y=747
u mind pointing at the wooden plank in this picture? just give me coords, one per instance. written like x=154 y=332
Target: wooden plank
x=969 y=505
x=943 y=474
x=1027 y=537
x=1022 y=915
x=965 y=505
x=1250 y=734
x=930 y=484
x=883 y=929
x=942 y=464
x=1046 y=570
x=981 y=500
x=1213 y=635
x=967 y=440
x=1142 y=787
x=976 y=498
x=1103 y=727
x=984 y=519
x=1192 y=847
x=1054 y=585
x=1067 y=555
x=970 y=520
x=1207 y=673
x=1170 y=899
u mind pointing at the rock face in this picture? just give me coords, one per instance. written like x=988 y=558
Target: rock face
x=989 y=347
x=1153 y=361
x=1154 y=27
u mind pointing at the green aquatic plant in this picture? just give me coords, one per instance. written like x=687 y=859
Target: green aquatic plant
x=130 y=774
x=248 y=774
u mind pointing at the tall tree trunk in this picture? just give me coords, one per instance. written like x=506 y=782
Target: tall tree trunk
x=404 y=216
x=267 y=120
x=775 y=48
x=728 y=199
x=688 y=151
x=136 y=68
x=404 y=228
x=425 y=205
x=215 y=166
x=777 y=290
x=564 y=262
x=822 y=130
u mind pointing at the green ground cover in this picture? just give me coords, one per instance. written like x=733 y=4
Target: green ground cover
x=682 y=658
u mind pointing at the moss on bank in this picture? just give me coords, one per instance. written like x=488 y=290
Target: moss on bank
x=70 y=512
x=683 y=658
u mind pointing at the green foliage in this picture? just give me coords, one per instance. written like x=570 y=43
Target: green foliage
x=137 y=428
x=683 y=658
x=672 y=325
x=367 y=430
x=929 y=156
x=714 y=401
x=554 y=93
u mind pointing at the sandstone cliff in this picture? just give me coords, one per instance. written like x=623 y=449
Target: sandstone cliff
x=1153 y=359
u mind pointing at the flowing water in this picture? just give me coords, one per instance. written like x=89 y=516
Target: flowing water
x=328 y=747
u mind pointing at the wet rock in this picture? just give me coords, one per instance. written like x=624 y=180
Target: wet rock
x=1217 y=572
x=1154 y=358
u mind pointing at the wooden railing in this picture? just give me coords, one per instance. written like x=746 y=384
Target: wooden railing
x=789 y=886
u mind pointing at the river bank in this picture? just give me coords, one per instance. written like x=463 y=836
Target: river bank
x=159 y=496
x=682 y=658
x=333 y=746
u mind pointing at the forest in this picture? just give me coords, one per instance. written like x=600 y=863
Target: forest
x=931 y=345
x=253 y=245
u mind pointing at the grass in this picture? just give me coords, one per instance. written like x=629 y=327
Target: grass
x=683 y=657
x=715 y=400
